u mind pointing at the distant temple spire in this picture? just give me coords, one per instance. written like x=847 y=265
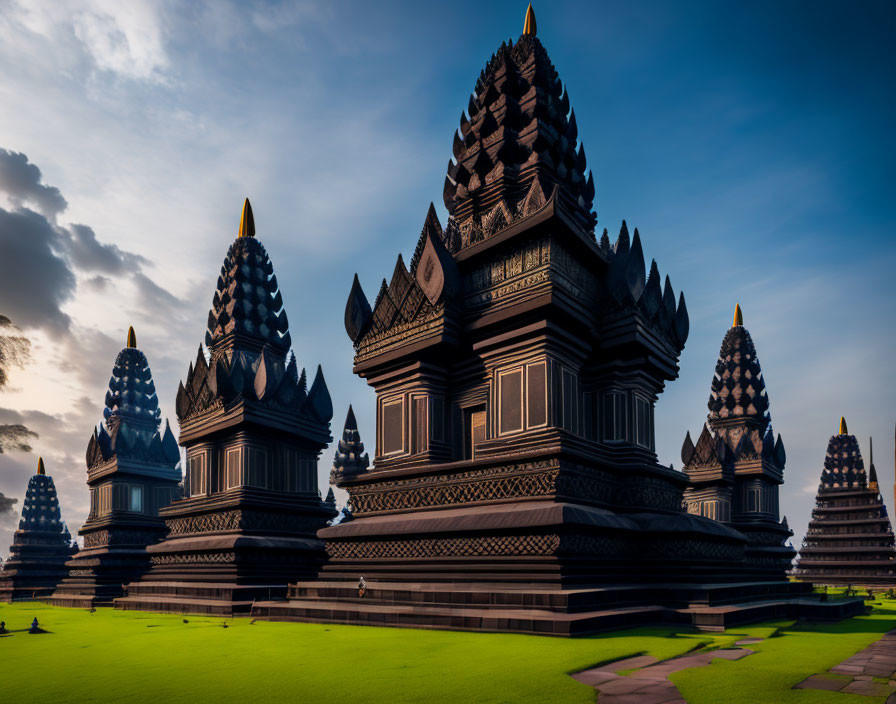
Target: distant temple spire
x=40 y=466
x=132 y=337
x=738 y=317
x=529 y=26
x=350 y=457
x=872 y=472
x=843 y=430
x=247 y=221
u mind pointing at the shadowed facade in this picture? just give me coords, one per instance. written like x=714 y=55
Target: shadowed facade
x=252 y=431
x=40 y=546
x=133 y=471
x=516 y=364
x=849 y=539
x=737 y=465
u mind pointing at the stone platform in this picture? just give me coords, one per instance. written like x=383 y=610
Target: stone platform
x=545 y=611
x=211 y=598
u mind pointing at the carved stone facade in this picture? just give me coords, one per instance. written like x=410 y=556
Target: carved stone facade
x=133 y=471
x=516 y=365
x=737 y=465
x=252 y=432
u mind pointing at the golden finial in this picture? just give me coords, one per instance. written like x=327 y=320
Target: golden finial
x=529 y=24
x=247 y=222
x=40 y=466
x=843 y=430
x=132 y=337
x=738 y=317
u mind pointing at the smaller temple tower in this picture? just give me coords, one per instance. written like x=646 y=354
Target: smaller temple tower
x=252 y=431
x=133 y=470
x=737 y=465
x=849 y=539
x=40 y=546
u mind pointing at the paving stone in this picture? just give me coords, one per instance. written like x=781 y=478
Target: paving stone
x=594 y=677
x=868 y=689
x=628 y=664
x=830 y=684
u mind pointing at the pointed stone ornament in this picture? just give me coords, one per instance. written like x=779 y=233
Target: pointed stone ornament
x=843 y=430
x=132 y=338
x=738 y=316
x=436 y=272
x=529 y=26
x=247 y=221
x=687 y=449
x=41 y=470
x=357 y=312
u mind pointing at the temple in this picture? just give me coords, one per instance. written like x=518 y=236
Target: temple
x=737 y=465
x=133 y=470
x=252 y=432
x=516 y=364
x=40 y=546
x=849 y=539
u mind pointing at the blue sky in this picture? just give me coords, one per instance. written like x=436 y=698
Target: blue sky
x=751 y=144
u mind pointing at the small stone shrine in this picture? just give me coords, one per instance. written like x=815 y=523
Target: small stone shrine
x=849 y=539
x=133 y=470
x=41 y=545
x=737 y=465
x=253 y=432
x=516 y=363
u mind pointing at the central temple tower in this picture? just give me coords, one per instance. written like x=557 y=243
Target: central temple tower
x=516 y=364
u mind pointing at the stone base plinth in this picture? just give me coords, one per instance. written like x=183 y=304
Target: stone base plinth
x=560 y=612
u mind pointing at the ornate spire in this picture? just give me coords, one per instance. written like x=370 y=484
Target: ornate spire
x=132 y=392
x=350 y=459
x=529 y=27
x=131 y=418
x=843 y=430
x=518 y=142
x=247 y=222
x=738 y=389
x=872 y=472
x=132 y=337
x=843 y=465
x=40 y=511
x=738 y=316
x=247 y=305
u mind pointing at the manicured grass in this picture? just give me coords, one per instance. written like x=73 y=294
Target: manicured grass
x=112 y=656
x=795 y=652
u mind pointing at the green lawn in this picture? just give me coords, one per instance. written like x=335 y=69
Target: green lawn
x=112 y=656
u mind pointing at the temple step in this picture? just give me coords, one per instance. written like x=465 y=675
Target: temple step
x=534 y=621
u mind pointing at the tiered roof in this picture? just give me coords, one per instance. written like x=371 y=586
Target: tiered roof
x=40 y=512
x=849 y=539
x=248 y=341
x=350 y=457
x=518 y=132
x=131 y=419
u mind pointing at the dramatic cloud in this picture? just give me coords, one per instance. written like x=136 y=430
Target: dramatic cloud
x=35 y=279
x=90 y=255
x=41 y=259
x=20 y=180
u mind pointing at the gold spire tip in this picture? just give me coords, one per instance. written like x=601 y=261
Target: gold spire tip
x=247 y=221
x=132 y=337
x=529 y=26
x=40 y=466
x=843 y=430
x=738 y=316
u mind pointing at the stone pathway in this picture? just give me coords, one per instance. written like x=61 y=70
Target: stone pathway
x=649 y=683
x=862 y=673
